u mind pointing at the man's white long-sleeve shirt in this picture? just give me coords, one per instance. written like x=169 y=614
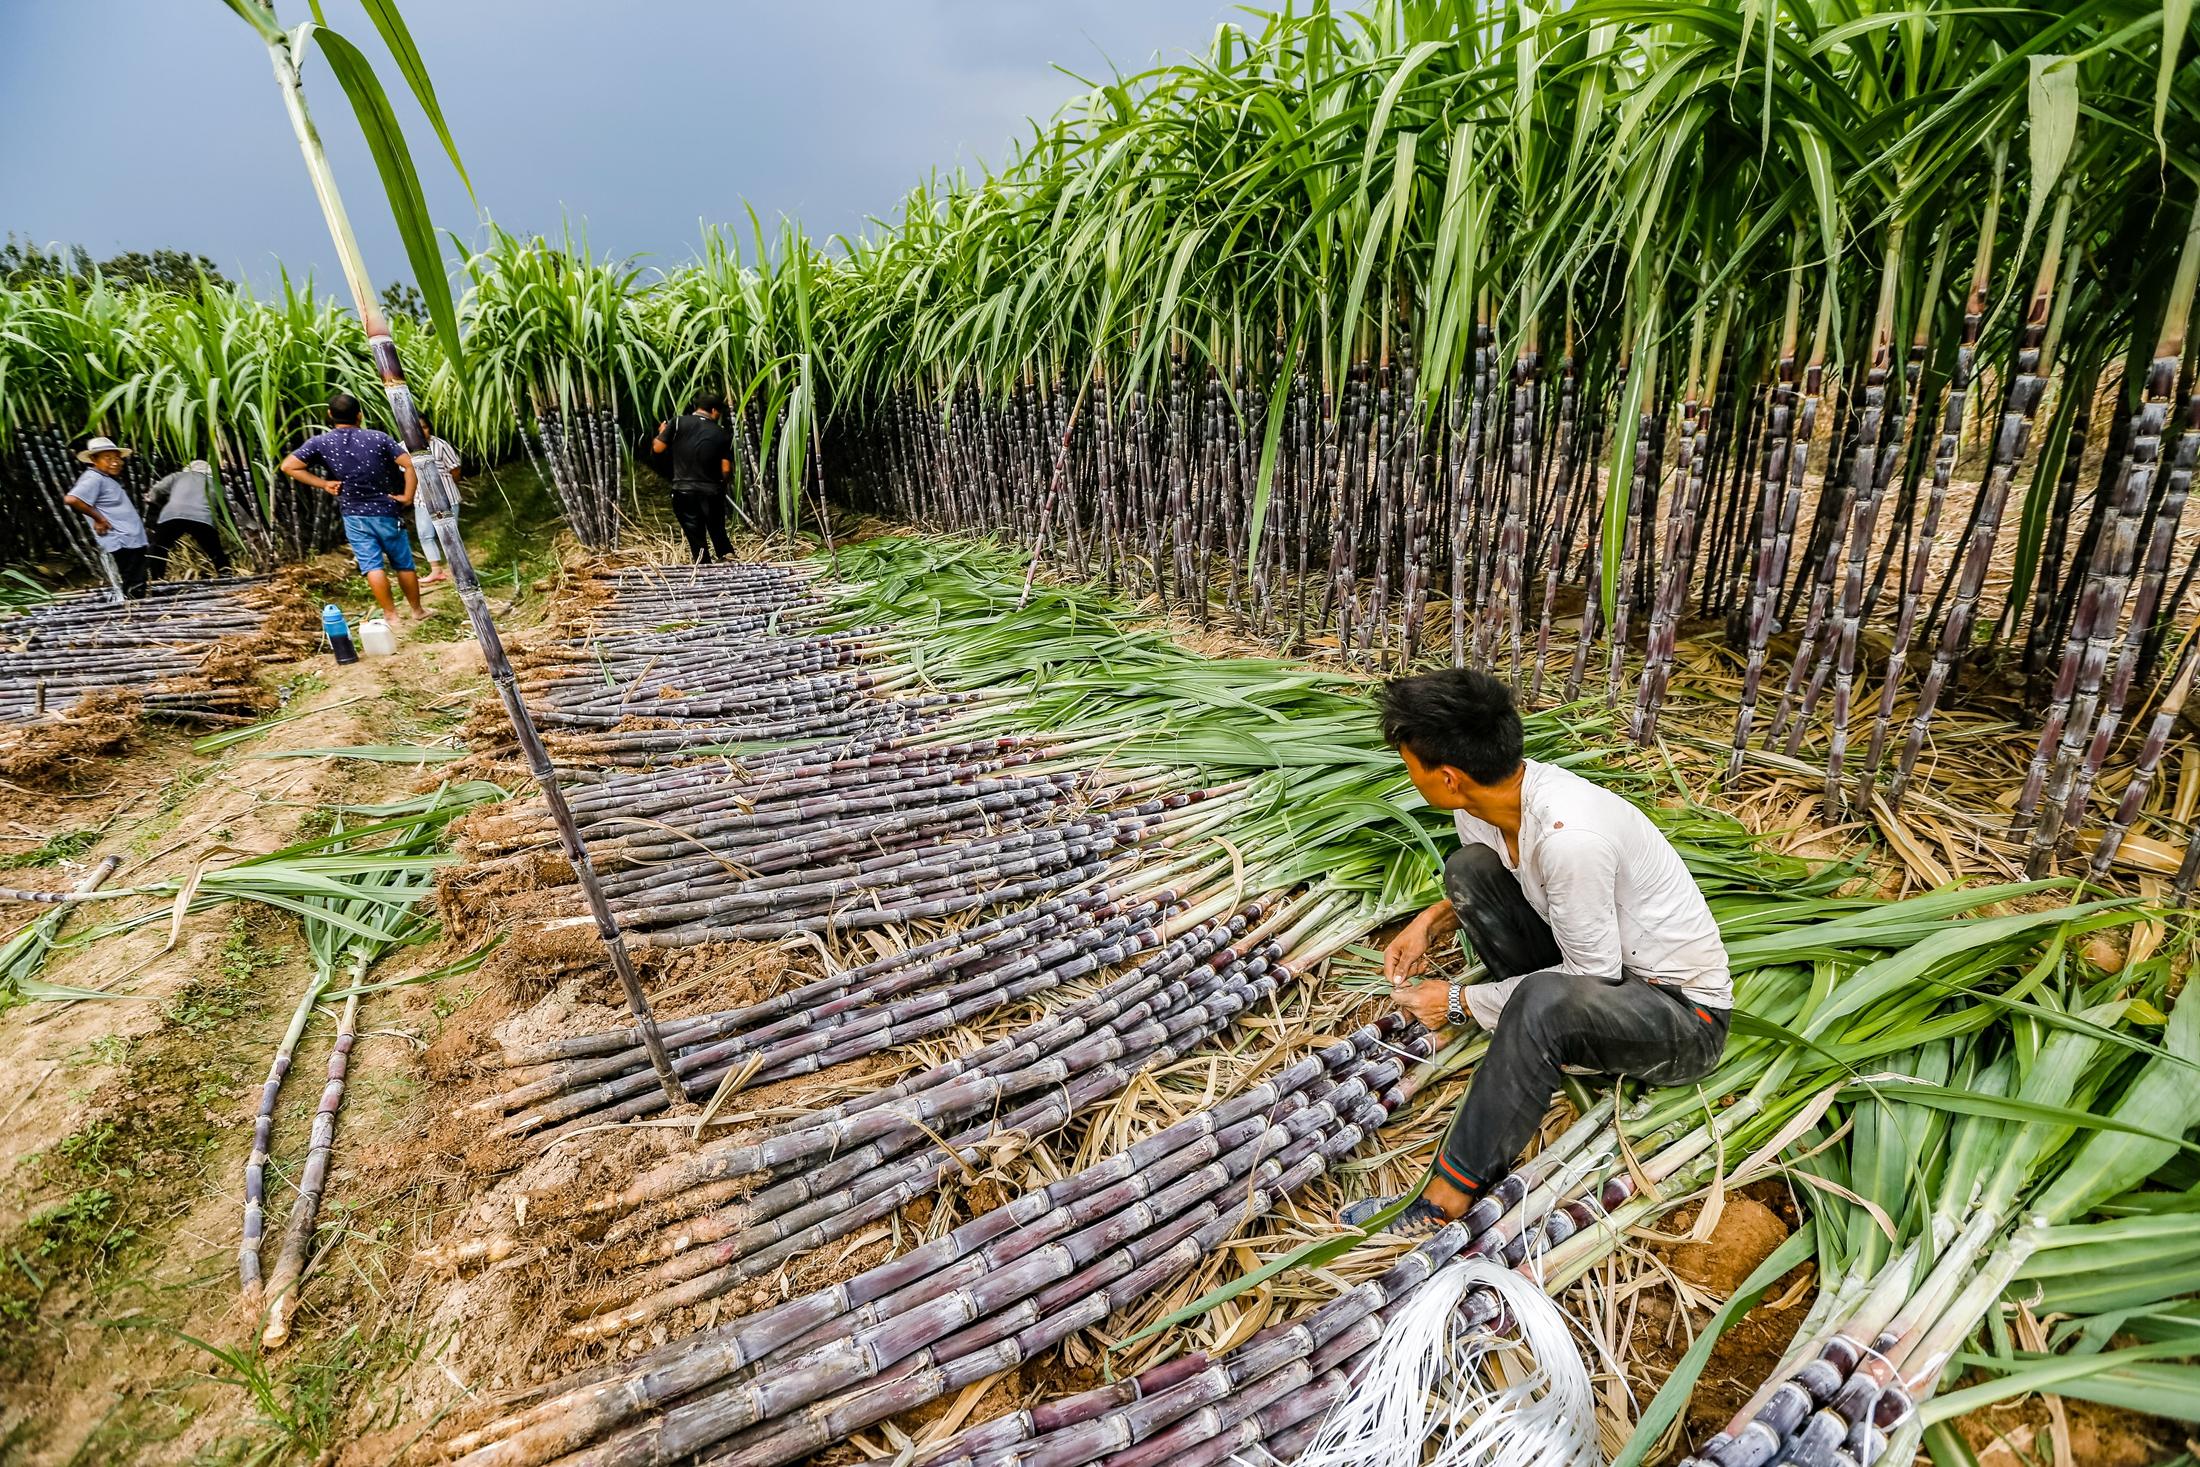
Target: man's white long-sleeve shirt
x=1612 y=888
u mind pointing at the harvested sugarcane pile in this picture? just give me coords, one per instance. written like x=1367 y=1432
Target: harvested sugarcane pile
x=1024 y=1021
x=181 y=654
x=679 y=658
x=702 y=1224
x=985 y=1297
x=2084 y=1224
x=1351 y=1381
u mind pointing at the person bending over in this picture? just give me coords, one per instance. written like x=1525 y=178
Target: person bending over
x=371 y=475
x=1602 y=956
x=185 y=499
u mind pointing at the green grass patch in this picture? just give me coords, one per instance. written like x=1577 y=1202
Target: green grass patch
x=67 y=845
x=99 y=1194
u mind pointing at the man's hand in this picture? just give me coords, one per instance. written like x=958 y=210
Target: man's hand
x=1429 y=1002
x=1408 y=951
x=102 y=524
x=332 y=486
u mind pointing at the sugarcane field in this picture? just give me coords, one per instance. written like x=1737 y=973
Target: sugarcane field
x=1441 y=732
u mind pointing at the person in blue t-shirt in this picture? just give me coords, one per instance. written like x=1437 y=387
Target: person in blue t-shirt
x=371 y=475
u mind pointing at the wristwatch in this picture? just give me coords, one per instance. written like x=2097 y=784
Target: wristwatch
x=1454 y=1013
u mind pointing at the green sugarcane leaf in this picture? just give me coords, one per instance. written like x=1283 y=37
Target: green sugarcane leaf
x=2028 y=1112
x=395 y=35
x=2176 y=19
x=260 y=17
x=400 y=181
x=1946 y=1446
x=2111 y=1377
x=370 y=753
x=1619 y=485
x=1264 y=480
x=1678 y=1387
x=2167 y=1087
x=1307 y=1255
x=2052 y=101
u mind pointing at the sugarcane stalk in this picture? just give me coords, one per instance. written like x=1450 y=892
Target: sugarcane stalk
x=442 y=512
x=283 y=1283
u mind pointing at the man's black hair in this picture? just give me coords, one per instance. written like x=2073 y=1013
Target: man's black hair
x=343 y=408
x=1458 y=717
x=706 y=402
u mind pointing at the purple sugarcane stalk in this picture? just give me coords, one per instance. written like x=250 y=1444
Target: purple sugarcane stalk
x=2070 y=717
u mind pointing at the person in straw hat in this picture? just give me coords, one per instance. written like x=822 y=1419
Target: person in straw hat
x=185 y=511
x=98 y=494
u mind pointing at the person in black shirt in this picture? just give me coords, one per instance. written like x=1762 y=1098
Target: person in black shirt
x=702 y=460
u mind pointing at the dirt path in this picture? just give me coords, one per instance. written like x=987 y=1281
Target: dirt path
x=124 y=1123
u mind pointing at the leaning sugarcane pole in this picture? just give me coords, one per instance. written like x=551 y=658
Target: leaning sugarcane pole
x=442 y=512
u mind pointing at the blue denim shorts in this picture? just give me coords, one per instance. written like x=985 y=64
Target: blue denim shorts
x=376 y=538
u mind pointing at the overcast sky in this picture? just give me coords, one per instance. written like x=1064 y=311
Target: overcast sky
x=134 y=124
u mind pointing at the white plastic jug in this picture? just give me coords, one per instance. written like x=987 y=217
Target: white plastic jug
x=376 y=639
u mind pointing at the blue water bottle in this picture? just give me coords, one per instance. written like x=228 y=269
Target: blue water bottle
x=339 y=633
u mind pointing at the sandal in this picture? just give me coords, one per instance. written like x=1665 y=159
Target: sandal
x=1420 y=1218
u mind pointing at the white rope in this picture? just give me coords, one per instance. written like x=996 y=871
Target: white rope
x=1430 y=1377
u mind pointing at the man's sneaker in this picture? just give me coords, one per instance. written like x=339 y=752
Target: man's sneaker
x=1420 y=1218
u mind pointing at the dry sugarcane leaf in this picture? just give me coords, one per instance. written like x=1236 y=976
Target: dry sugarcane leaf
x=1915 y=857
x=2144 y=852
x=728 y=1086
x=950 y=1421
x=2188 y=786
x=1948 y=842
x=1759 y=1162
x=2032 y=1336
x=1878 y=1214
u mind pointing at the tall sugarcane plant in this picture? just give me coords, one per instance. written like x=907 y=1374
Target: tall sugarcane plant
x=558 y=327
x=1323 y=337
x=287 y=53
x=1605 y=344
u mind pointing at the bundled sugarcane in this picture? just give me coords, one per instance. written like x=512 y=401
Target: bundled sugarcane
x=793 y=1379
x=1474 y=1284
x=156 y=650
x=696 y=1227
x=2006 y=1189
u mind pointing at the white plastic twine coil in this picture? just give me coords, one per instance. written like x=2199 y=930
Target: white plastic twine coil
x=1429 y=1378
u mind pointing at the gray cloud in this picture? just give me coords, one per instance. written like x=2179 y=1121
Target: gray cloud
x=144 y=123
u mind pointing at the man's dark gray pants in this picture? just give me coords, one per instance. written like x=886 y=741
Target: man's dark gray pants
x=1612 y=1026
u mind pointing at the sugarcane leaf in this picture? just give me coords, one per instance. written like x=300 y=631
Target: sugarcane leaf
x=2112 y=1377
x=391 y=23
x=1264 y=481
x=2052 y=101
x=37 y=989
x=1946 y=1446
x=2167 y=1087
x=1681 y=1384
x=1308 y=1255
x=393 y=160
x=1619 y=485
x=2176 y=19
x=370 y=753
x=260 y=17
x=452 y=969
x=2029 y=1112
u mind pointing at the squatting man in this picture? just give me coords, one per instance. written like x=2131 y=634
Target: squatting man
x=1602 y=955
